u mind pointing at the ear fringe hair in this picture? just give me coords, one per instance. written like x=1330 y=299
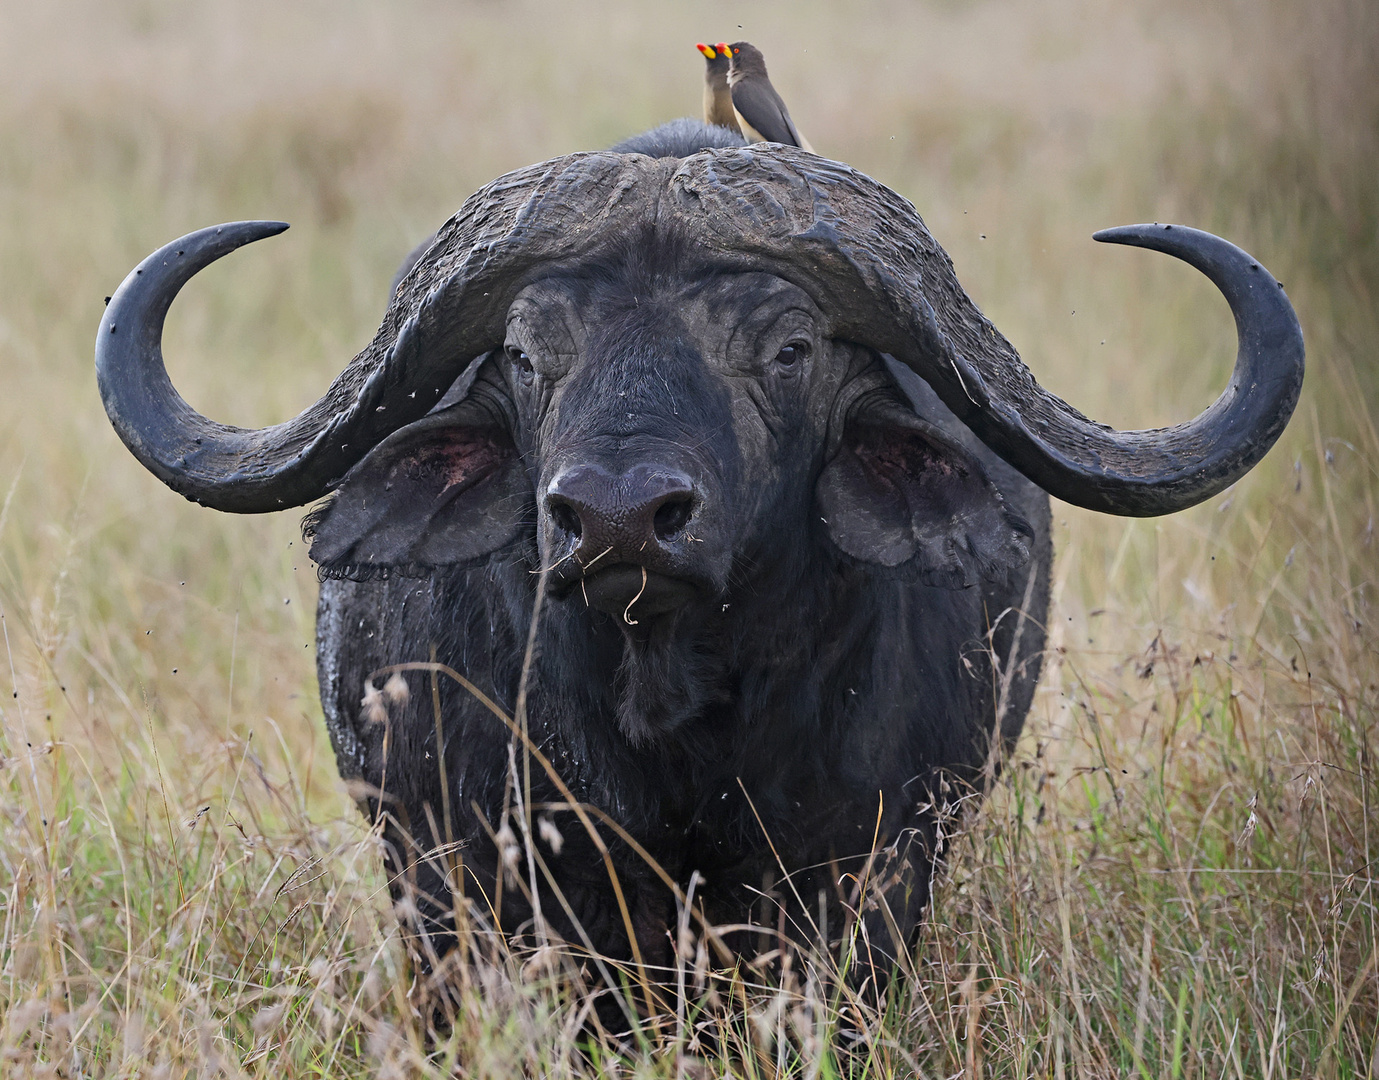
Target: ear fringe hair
x=314 y=517
x=363 y=572
x=347 y=571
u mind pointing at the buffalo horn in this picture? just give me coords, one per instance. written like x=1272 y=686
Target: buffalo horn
x=865 y=252
x=451 y=308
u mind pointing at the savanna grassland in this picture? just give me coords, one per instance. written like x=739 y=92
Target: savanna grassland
x=1176 y=874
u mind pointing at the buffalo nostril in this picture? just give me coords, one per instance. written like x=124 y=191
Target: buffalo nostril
x=672 y=516
x=566 y=519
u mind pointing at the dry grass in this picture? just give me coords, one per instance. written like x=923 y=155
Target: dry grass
x=1177 y=875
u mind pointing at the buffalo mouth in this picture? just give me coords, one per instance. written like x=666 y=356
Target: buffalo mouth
x=632 y=593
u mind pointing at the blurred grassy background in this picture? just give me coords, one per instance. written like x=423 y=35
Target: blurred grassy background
x=1210 y=706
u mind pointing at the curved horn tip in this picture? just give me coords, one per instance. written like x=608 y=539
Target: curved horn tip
x=269 y=228
x=262 y=228
x=237 y=233
x=222 y=239
x=192 y=252
x=1227 y=265
x=268 y=225
x=1133 y=234
x=1181 y=241
x=157 y=425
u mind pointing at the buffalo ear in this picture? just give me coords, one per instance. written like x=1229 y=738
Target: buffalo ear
x=447 y=489
x=900 y=495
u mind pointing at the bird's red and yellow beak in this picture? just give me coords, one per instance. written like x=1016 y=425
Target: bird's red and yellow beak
x=724 y=49
x=707 y=50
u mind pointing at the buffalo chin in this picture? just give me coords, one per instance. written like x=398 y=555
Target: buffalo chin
x=667 y=676
x=667 y=679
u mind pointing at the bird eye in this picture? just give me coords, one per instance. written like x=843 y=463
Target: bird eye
x=792 y=354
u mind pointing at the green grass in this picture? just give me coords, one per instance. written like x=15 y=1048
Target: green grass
x=1175 y=876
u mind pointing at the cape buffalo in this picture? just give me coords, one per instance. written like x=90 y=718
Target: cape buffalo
x=686 y=530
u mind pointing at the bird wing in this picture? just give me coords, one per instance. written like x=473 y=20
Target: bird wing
x=757 y=102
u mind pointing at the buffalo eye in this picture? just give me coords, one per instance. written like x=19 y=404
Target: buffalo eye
x=522 y=362
x=792 y=354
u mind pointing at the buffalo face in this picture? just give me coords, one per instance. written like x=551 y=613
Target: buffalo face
x=656 y=433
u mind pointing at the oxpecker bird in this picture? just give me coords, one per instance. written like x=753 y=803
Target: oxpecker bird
x=760 y=110
x=718 y=99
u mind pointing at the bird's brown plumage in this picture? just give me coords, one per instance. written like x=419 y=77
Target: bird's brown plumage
x=718 y=99
x=761 y=112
